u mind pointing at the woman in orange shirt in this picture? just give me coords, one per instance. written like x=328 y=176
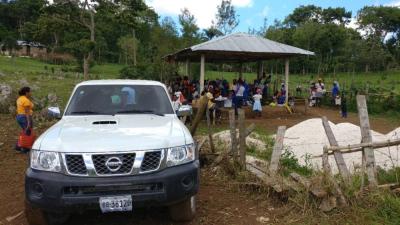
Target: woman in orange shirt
x=24 y=112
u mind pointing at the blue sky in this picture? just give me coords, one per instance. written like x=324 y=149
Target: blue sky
x=252 y=12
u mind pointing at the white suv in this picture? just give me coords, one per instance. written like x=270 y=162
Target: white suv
x=119 y=145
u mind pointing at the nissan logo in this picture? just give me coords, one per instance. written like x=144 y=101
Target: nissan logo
x=113 y=164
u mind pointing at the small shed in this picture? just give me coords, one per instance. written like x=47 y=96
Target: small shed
x=32 y=49
x=240 y=48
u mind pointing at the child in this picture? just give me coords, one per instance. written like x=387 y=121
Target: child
x=257 y=102
x=344 y=107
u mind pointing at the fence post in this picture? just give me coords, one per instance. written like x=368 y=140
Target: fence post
x=305 y=105
x=210 y=139
x=338 y=155
x=242 y=138
x=277 y=150
x=232 y=127
x=199 y=115
x=366 y=136
x=325 y=161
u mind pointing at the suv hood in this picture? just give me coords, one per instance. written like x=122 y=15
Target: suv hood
x=124 y=133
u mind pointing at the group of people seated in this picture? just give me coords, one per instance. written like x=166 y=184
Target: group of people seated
x=220 y=93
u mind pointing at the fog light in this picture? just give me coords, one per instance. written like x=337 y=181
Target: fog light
x=37 y=190
x=187 y=182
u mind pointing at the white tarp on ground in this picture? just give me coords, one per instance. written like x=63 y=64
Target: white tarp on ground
x=308 y=139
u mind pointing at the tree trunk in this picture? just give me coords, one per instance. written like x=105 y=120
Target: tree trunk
x=86 y=62
x=134 y=47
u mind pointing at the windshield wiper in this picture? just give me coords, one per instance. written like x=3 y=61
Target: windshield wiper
x=86 y=112
x=139 y=112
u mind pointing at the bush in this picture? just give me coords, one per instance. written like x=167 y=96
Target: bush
x=140 y=72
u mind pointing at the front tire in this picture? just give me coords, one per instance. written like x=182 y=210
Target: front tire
x=183 y=211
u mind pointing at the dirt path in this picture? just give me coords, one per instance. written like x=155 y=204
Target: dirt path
x=218 y=201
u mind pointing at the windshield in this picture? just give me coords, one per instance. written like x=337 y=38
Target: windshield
x=119 y=99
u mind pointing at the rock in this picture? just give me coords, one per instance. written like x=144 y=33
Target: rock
x=34 y=87
x=328 y=204
x=262 y=219
x=5 y=90
x=224 y=138
x=52 y=97
x=5 y=97
x=23 y=82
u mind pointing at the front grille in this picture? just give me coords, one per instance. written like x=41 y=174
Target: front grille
x=151 y=161
x=75 y=164
x=113 y=189
x=99 y=162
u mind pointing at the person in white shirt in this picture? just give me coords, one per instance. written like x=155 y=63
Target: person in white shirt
x=239 y=91
x=320 y=89
x=257 y=108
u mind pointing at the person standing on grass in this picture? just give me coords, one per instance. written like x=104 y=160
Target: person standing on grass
x=210 y=103
x=335 y=92
x=257 y=108
x=24 y=113
x=343 y=107
x=320 y=87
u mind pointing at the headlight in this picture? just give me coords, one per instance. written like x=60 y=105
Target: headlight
x=181 y=155
x=47 y=161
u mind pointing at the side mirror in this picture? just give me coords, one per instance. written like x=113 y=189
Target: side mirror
x=54 y=112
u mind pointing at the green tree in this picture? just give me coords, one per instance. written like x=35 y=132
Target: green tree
x=212 y=32
x=379 y=20
x=226 y=17
x=128 y=46
x=303 y=14
x=189 y=28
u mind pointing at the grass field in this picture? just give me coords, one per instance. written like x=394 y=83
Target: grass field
x=60 y=79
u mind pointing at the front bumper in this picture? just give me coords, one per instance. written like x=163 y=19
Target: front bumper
x=56 y=192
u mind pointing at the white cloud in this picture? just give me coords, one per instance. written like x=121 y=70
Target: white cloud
x=394 y=3
x=203 y=10
x=354 y=24
x=265 y=11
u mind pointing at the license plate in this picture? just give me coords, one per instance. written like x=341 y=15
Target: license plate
x=116 y=203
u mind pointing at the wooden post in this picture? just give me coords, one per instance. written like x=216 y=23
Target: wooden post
x=187 y=67
x=242 y=138
x=202 y=68
x=260 y=71
x=287 y=80
x=277 y=151
x=241 y=70
x=366 y=137
x=341 y=164
x=224 y=154
x=325 y=161
x=210 y=139
x=199 y=115
x=232 y=127
x=305 y=105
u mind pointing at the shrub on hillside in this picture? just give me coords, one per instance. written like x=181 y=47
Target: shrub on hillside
x=140 y=72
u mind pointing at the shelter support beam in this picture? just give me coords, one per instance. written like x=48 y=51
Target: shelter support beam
x=241 y=70
x=202 y=68
x=260 y=69
x=287 y=80
x=187 y=68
